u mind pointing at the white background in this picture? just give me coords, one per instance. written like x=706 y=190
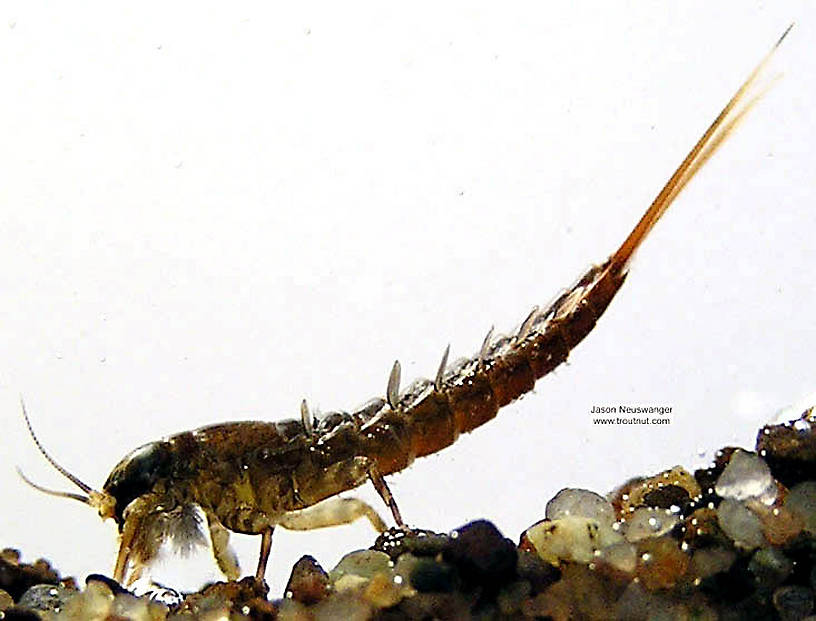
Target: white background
x=211 y=213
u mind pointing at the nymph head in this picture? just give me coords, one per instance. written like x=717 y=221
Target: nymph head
x=136 y=475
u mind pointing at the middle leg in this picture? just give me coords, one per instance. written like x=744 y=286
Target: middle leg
x=266 y=547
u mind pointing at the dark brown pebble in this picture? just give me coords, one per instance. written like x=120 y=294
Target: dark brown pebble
x=309 y=582
x=789 y=450
x=537 y=572
x=430 y=576
x=667 y=496
x=246 y=592
x=16 y=578
x=802 y=553
x=482 y=554
x=15 y=613
x=732 y=586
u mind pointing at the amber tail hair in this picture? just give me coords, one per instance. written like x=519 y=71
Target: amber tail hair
x=430 y=415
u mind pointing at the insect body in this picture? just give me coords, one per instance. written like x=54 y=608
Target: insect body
x=249 y=477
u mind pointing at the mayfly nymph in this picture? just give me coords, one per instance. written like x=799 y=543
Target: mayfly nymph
x=251 y=476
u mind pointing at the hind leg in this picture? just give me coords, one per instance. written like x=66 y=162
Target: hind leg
x=332 y=512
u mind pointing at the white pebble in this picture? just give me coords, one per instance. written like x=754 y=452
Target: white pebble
x=570 y=502
x=571 y=539
x=747 y=476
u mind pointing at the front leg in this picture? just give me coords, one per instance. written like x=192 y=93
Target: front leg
x=140 y=537
x=150 y=521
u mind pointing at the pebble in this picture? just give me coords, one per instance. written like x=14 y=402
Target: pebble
x=701 y=529
x=397 y=541
x=92 y=603
x=363 y=564
x=620 y=556
x=112 y=585
x=15 y=613
x=16 y=577
x=214 y=601
x=740 y=523
x=580 y=594
x=661 y=563
x=790 y=449
x=670 y=496
x=779 y=524
x=801 y=501
x=649 y=522
x=709 y=561
x=511 y=597
x=429 y=576
x=126 y=606
x=571 y=539
x=813 y=577
x=435 y=606
x=10 y=555
x=349 y=582
x=344 y=606
x=403 y=568
x=46 y=597
x=308 y=582
x=770 y=566
x=291 y=610
x=707 y=477
x=535 y=571
x=733 y=585
x=639 y=604
x=382 y=592
x=641 y=491
x=570 y=502
x=793 y=602
x=747 y=476
x=6 y=600
x=481 y=553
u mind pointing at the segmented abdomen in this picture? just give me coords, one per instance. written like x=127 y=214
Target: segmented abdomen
x=430 y=415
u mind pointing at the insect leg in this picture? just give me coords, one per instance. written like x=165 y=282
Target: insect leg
x=149 y=522
x=382 y=489
x=332 y=512
x=266 y=547
x=122 y=557
x=224 y=555
x=139 y=540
